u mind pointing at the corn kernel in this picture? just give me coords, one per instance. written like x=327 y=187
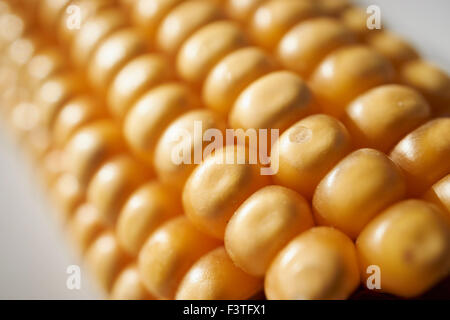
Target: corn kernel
x=52 y=95
x=43 y=65
x=92 y=34
x=392 y=47
x=422 y=155
x=67 y=194
x=206 y=47
x=136 y=77
x=145 y=210
x=232 y=74
x=149 y=14
x=183 y=21
x=382 y=116
x=275 y=101
x=439 y=194
x=85 y=226
x=90 y=147
x=112 y=54
x=432 y=82
x=73 y=115
x=180 y=137
x=110 y=187
x=347 y=73
x=275 y=17
x=307 y=151
x=307 y=44
x=216 y=189
x=106 y=259
x=128 y=286
x=153 y=113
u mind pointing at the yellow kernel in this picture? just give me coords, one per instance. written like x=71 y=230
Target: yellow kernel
x=320 y=263
x=347 y=73
x=393 y=47
x=423 y=155
x=128 y=286
x=137 y=76
x=263 y=225
x=439 y=194
x=356 y=190
x=183 y=21
x=307 y=151
x=410 y=243
x=106 y=259
x=93 y=32
x=432 y=82
x=232 y=74
x=73 y=115
x=67 y=193
x=149 y=14
x=152 y=114
x=382 y=116
x=275 y=101
x=215 y=277
x=112 y=54
x=145 y=210
x=306 y=45
x=113 y=183
x=169 y=253
x=206 y=47
x=180 y=141
x=53 y=93
x=90 y=146
x=217 y=187
x=274 y=18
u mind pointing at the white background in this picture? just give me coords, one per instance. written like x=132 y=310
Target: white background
x=34 y=254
